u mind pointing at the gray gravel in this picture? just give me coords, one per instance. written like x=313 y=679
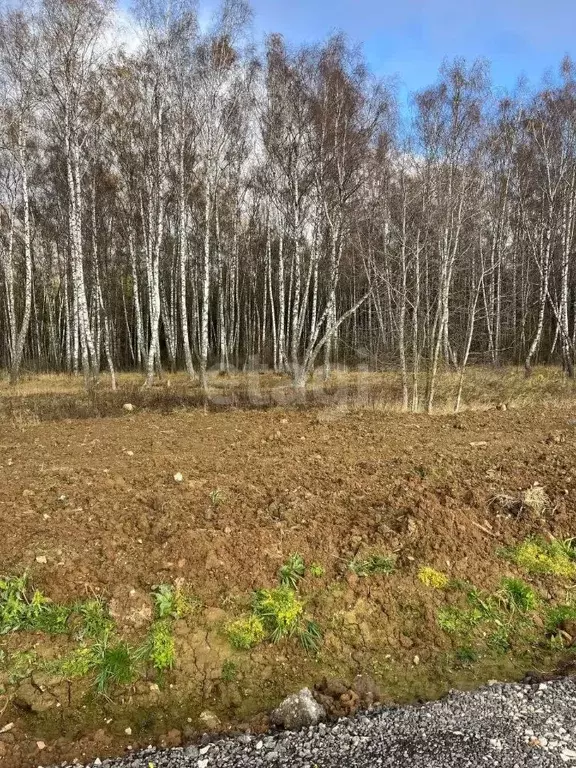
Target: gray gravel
x=513 y=726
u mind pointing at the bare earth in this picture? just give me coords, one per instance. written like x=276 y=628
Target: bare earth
x=97 y=499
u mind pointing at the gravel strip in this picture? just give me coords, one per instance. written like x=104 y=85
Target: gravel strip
x=513 y=726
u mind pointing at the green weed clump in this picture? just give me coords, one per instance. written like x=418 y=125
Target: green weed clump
x=292 y=571
x=280 y=611
x=557 y=615
x=245 y=633
x=171 y=602
x=96 y=621
x=229 y=671
x=21 y=611
x=111 y=661
x=555 y=558
x=433 y=578
x=20 y=665
x=317 y=570
x=516 y=595
x=499 y=640
x=458 y=621
x=466 y=655
x=160 y=648
x=77 y=664
x=282 y=615
x=372 y=565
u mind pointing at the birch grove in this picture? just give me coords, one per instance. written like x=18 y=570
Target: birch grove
x=174 y=197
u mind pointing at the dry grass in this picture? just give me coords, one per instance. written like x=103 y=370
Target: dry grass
x=46 y=397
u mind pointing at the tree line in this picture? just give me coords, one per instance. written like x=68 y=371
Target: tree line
x=176 y=197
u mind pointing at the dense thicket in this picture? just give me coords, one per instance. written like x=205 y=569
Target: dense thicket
x=183 y=200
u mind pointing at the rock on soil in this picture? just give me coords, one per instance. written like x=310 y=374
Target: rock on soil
x=298 y=711
x=509 y=726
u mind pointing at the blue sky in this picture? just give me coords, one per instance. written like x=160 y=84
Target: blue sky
x=411 y=37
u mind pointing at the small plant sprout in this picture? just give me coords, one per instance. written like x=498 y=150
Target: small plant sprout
x=466 y=655
x=372 y=565
x=245 y=633
x=317 y=570
x=229 y=671
x=170 y=602
x=216 y=497
x=310 y=636
x=292 y=571
x=432 y=578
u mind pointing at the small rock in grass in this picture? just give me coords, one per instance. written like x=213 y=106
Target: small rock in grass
x=178 y=477
x=41 y=745
x=42 y=559
x=128 y=407
x=128 y=731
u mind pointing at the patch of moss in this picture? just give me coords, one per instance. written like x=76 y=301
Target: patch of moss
x=433 y=578
x=555 y=558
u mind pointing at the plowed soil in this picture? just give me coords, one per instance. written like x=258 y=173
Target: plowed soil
x=91 y=506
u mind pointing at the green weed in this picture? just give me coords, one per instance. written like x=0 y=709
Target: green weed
x=557 y=642
x=113 y=663
x=499 y=640
x=77 y=664
x=557 y=615
x=466 y=655
x=556 y=558
x=310 y=636
x=20 y=611
x=317 y=570
x=160 y=648
x=484 y=607
x=280 y=611
x=372 y=565
x=245 y=633
x=229 y=671
x=458 y=621
x=170 y=602
x=516 y=595
x=216 y=497
x=292 y=571
x=20 y=665
x=95 y=618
